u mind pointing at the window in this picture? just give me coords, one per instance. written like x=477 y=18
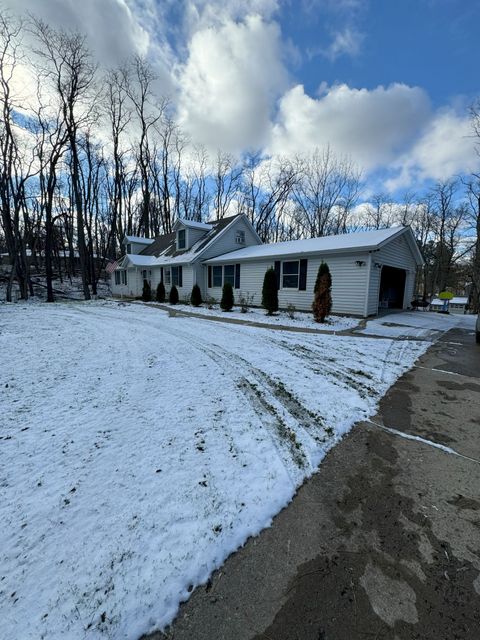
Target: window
x=290 y=274
x=229 y=274
x=181 y=240
x=217 y=276
x=240 y=237
x=147 y=275
x=124 y=278
x=117 y=277
x=167 y=276
x=129 y=248
x=121 y=277
x=177 y=276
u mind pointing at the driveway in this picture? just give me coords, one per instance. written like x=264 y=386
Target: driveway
x=384 y=541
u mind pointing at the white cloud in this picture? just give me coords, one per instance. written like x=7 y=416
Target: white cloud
x=445 y=148
x=371 y=126
x=345 y=42
x=230 y=82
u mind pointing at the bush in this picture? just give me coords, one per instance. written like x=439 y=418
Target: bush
x=146 y=292
x=322 y=301
x=246 y=302
x=161 y=292
x=196 y=297
x=270 y=292
x=173 y=297
x=291 y=311
x=226 y=302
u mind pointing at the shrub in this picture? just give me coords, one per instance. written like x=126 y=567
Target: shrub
x=161 y=292
x=322 y=301
x=196 y=297
x=291 y=311
x=146 y=292
x=246 y=302
x=173 y=297
x=270 y=292
x=226 y=302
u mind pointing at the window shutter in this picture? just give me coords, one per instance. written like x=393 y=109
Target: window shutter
x=161 y=274
x=209 y=276
x=277 y=272
x=180 y=279
x=302 y=284
x=237 y=276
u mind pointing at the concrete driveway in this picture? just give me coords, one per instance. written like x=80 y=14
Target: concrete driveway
x=382 y=543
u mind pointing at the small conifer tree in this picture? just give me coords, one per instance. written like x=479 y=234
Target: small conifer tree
x=270 y=292
x=161 y=292
x=173 y=297
x=226 y=303
x=146 y=291
x=196 y=297
x=322 y=300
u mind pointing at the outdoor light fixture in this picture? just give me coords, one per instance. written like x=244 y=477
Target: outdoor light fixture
x=378 y=265
x=360 y=263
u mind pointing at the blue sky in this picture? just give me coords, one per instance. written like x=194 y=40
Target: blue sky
x=386 y=83
x=430 y=43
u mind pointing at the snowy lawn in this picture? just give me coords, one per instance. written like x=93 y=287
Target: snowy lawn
x=417 y=324
x=138 y=451
x=301 y=319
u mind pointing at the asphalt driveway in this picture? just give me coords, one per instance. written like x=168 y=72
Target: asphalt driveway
x=382 y=543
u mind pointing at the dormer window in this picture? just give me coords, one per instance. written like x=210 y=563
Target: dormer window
x=181 y=239
x=240 y=237
x=129 y=248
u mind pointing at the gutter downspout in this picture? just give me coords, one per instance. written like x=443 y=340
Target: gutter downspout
x=369 y=270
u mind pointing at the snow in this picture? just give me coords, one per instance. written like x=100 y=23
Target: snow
x=138 y=240
x=194 y=225
x=362 y=240
x=417 y=324
x=138 y=451
x=300 y=320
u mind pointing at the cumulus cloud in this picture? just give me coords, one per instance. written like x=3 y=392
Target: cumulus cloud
x=444 y=148
x=230 y=83
x=371 y=126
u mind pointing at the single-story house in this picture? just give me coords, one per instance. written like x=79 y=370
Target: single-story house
x=370 y=270
x=457 y=304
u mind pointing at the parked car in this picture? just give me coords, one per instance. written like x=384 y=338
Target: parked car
x=477 y=327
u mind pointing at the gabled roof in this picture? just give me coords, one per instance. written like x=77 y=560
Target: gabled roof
x=163 y=250
x=137 y=240
x=345 y=242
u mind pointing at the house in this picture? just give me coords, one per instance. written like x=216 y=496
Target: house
x=456 y=304
x=370 y=270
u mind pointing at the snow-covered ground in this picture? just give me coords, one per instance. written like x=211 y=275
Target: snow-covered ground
x=417 y=324
x=138 y=451
x=282 y=318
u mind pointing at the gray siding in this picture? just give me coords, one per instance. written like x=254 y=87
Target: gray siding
x=194 y=235
x=348 y=283
x=226 y=241
x=396 y=253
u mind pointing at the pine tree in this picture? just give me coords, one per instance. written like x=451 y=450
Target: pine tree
x=161 y=292
x=226 y=302
x=196 y=297
x=146 y=292
x=173 y=297
x=322 y=301
x=270 y=292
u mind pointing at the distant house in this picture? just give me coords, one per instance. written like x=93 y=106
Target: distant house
x=455 y=305
x=370 y=270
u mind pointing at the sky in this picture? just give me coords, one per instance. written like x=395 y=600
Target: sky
x=387 y=83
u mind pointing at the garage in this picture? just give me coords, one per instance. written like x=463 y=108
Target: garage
x=392 y=288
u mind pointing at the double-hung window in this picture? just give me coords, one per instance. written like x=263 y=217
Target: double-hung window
x=229 y=274
x=217 y=276
x=168 y=276
x=177 y=276
x=181 y=239
x=117 y=277
x=290 y=273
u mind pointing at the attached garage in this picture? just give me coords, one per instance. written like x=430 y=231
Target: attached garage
x=370 y=270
